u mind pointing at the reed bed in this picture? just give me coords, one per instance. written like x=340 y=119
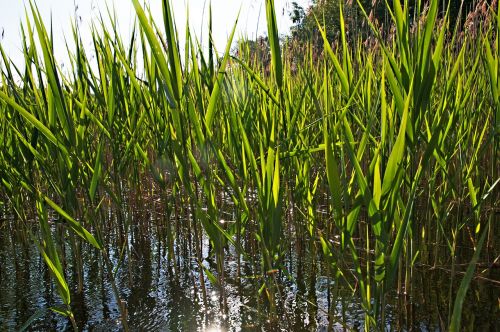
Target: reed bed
x=375 y=155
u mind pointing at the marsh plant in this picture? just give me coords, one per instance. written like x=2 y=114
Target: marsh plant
x=373 y=156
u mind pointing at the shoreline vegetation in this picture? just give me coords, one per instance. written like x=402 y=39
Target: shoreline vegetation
x=370 y=155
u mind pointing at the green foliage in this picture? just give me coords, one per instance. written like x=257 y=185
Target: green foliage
x=305 y=29
x=409 y=122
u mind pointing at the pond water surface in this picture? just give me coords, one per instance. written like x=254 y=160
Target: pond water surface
x=167 y=296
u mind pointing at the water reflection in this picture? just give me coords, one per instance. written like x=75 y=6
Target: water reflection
x=165 y=295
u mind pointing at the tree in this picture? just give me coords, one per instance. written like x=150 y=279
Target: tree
x=257 y=52
x=305 y=26
x=326 y=12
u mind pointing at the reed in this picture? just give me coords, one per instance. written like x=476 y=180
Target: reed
x=403 y=137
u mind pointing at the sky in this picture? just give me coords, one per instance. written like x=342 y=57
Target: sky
x=252 y=20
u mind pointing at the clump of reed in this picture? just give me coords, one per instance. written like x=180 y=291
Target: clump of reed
x=403 y=137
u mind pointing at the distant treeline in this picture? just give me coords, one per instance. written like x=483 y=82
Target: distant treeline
x=466 y=15
x=327 y=12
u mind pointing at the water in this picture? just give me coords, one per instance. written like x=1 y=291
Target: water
x=161 y=297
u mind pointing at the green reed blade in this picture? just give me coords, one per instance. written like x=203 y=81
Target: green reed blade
x=340 y=72
x=397 y=154
x=214 y=96
x=456 y=317
x=73 y=224
x=97 y=171
x=274 y=42
x=157 y=51
x=173 y=51
x=33 y=121
x=53 y=77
